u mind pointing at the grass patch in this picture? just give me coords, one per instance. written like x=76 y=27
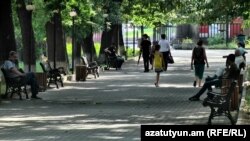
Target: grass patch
x=247 y=98
x=97 y=48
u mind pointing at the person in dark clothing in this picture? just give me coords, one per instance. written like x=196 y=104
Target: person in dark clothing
x=145 y=48
x=199 y=58
x=231 y=72
x=111 y=53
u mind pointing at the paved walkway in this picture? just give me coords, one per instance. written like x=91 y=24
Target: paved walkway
x=111 y=107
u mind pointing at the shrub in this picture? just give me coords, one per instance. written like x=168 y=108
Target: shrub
x=217 y=39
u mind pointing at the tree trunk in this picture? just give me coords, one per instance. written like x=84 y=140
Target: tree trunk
x=25 y=19
x=89 y=48
x=111 y=37
x=55 y=40
x=106 y=41
x=7 y=37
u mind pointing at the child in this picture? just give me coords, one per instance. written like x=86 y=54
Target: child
x=152 y=52
x=158 y=61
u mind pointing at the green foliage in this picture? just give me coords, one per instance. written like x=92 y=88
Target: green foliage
x=247 y=42
x=247 y=97
x=187 y=41
x=130 y=52
x=149 y=13
x=97 y=48
x=69 y=49
x=217 y=39
x=231 y=45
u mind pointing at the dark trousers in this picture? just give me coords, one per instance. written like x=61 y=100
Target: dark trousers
x=31 y=80
x=146 y=62
x=165 y=57
x=208 y=85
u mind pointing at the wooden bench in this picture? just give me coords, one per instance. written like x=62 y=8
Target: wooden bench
x=219 y=103
x=92 y=68
x=14 y=85
x=235 y=99
x=53 y=75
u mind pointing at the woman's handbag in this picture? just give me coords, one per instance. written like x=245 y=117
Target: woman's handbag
x=170 y=59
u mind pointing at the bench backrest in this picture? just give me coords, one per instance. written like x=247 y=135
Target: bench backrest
x=7 y=79
x=85 y=60
x=4 y=73
x=43 y=67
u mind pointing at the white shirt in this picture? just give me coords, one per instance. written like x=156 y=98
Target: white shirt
x=8 y=65
x=239 y=60
x=164 y=45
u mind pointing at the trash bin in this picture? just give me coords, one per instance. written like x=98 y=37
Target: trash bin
x=41 y=80
x=81 y=72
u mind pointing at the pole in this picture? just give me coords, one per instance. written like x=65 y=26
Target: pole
x=54 y=51
x=126 y=40
x=118 y=36
x=73 y=44
x=30 y=46
x=133 y=40
x=91 y=51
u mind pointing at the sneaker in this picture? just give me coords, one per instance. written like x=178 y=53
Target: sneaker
x=194 y=98
x=194 y=84
x=35 y=97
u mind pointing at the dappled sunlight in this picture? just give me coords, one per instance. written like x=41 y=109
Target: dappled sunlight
x=6 y=123
x=148 y=85
x=12 y=109
x=105 y=137
x=133 y=100
x=192 y=117
x=92 y=126
x=38 y=118
x=80 y=88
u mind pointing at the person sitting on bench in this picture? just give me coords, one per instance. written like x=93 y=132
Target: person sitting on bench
x=12 y=71
x=111 y=53
x=230 y=72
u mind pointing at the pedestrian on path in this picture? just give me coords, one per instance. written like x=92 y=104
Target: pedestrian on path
x=199 y=58
x=145 y=48
x=152 y=52
x=230 y=72
x=158 y=64
x=165 y=50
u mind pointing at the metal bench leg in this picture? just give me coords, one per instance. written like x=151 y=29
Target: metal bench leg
x=25 y=91
x=211 y=116
x=228 y=114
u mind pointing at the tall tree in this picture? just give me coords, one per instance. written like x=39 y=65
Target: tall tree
x=28 y=39
x=55 y=34
x=7 y=38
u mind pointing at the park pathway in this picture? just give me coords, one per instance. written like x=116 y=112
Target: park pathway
x=111 y=107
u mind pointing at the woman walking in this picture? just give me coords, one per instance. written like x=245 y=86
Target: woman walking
x=199 y=58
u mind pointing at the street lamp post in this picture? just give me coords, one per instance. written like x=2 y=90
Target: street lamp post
x=54 y=36
x=91 y=51
x=30 y=7
x=73 y=14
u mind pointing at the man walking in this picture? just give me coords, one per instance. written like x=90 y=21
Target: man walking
x=145 y=48
x=165 y=50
